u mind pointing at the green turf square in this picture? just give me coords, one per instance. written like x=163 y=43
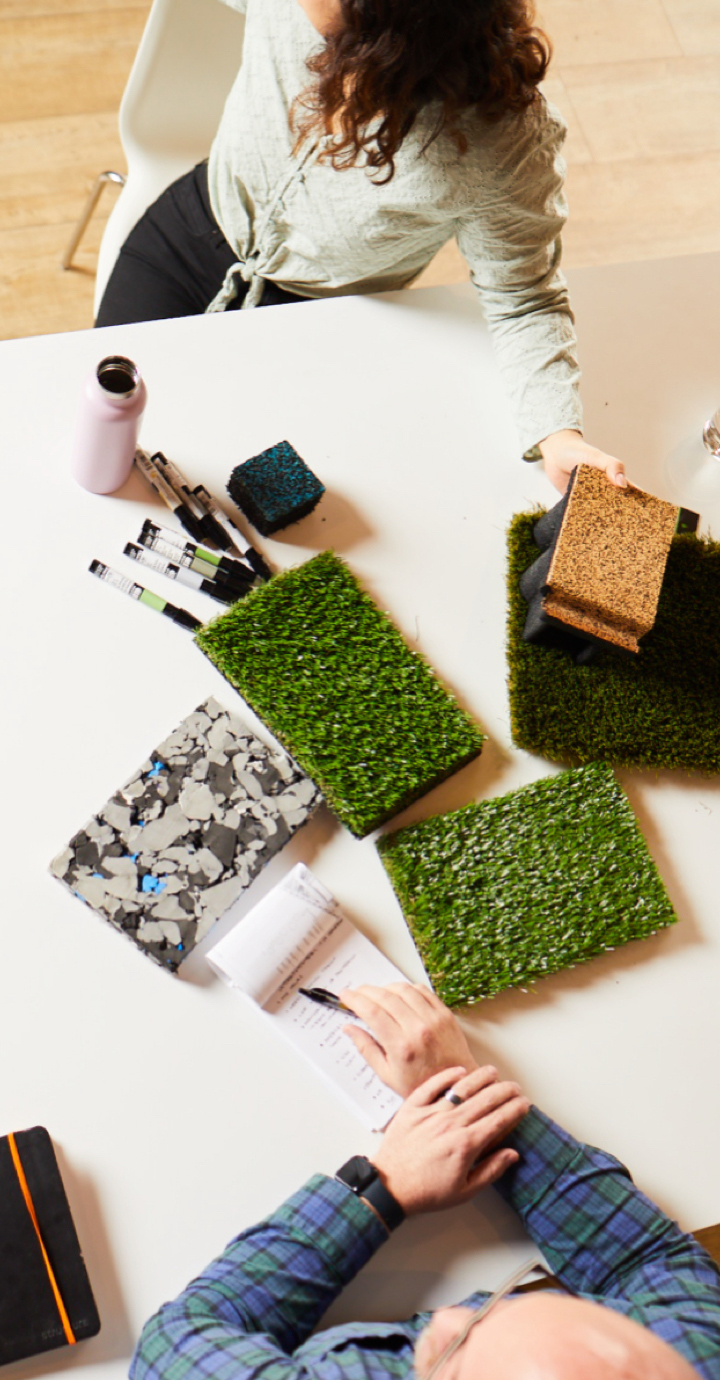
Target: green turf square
x=334 y=680
x=660 y=708
x=506 y=891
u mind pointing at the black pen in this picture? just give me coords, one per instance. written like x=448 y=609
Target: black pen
x=325 y=998
x=168 y=495
x=175 y=548
x=224 y=593
x=144 y=596
x=237 y=538
x=210 y=529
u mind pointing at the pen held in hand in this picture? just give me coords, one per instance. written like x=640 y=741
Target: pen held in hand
x=322 y=997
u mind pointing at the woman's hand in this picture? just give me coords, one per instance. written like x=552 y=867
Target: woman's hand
x=435 y=1154
x=413 y=1034
x=563 y=450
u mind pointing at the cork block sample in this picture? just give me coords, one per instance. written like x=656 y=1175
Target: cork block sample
x=609 y=561
x=334 y=680
x=501 y=893
x=173 y=848
x=659 y=709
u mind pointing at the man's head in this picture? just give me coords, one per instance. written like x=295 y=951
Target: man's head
x=547 y=1336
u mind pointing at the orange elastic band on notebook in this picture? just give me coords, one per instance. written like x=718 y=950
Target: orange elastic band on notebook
x=69 y=1334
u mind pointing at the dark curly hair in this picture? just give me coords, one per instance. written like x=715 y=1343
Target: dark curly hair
x=388 y=60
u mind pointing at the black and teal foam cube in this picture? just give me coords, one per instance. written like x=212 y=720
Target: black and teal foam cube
x=275 y=488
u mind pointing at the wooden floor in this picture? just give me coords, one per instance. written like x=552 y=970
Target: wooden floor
x=638 y=81
x=709 y=1237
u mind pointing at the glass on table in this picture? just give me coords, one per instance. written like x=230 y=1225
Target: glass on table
x=711 y=434
x=693 y=469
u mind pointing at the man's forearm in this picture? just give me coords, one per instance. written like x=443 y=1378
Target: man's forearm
x=581 y=1207
x=264 y=1295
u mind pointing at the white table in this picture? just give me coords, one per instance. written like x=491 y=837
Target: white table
x=178 y=1123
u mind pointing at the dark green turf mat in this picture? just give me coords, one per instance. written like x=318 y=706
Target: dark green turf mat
x=506 y=891
x=334 y=680
x=660 y=708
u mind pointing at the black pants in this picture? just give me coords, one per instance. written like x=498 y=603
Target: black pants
x=174 y=261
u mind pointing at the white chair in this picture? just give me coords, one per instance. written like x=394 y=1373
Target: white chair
x=187 y=60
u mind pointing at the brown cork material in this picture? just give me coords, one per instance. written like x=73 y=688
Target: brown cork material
x=609 y=561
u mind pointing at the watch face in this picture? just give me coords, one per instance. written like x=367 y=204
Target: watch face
x=358 y=1173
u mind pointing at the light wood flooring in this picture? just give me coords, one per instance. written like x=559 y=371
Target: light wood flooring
x=637 y=80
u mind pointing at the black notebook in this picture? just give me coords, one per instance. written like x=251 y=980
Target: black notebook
x=45 y=1295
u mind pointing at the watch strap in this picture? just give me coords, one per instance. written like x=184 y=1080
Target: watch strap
x=362 y=1178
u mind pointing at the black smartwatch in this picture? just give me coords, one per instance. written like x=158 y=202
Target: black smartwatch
x=362 y=1177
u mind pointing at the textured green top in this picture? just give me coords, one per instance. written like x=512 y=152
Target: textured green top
x=294 y=220
x=506 y=891
x=334 y=680
x=659 y=708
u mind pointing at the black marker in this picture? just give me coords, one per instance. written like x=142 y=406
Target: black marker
x=144 y=596
x=209 y=529
x=325 y=998
x=160 y=484
x=224 y=593
x=238 y=539
x=175 y=548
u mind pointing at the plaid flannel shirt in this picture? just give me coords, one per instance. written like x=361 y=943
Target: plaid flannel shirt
x=251 y=1313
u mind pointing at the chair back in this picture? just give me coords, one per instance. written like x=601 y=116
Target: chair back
x=185 y=65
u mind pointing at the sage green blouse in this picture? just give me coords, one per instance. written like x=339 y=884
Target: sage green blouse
x=321 y=232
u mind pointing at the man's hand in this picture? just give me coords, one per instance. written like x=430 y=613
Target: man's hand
x=435 y=1155
x=563 y=450
x=414 y=1034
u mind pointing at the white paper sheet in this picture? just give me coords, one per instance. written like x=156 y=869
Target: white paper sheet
x=298 y=937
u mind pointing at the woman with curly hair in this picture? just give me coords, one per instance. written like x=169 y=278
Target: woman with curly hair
x=359 y=137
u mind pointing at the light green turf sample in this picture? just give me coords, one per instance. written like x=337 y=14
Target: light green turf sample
x=334 y=680
x=659 y=708
x=503 y=892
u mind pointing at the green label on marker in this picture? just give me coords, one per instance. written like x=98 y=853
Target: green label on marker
x=154 y=600
x=203 y=567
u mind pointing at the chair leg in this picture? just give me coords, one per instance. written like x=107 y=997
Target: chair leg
x=88 y=209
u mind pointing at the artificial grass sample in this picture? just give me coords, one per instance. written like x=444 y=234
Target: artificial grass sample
x=334 y=680
x=658 y=709
x=275 y=488
x=509 y=890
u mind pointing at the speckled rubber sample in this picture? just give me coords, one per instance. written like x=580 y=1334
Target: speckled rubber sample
x=275 y=488
x=335 y=681
x=609 y=561
x=172 y=849
x=658 y=709
x=504 y=892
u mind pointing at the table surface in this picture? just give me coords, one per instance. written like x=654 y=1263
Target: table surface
x=177 y=1121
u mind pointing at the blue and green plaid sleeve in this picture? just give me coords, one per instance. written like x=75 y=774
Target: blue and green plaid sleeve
x=254 y=1308
x=263 y=1296
x=603 y=1237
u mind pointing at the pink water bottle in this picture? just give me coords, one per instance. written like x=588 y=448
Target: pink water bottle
x=112 y=403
